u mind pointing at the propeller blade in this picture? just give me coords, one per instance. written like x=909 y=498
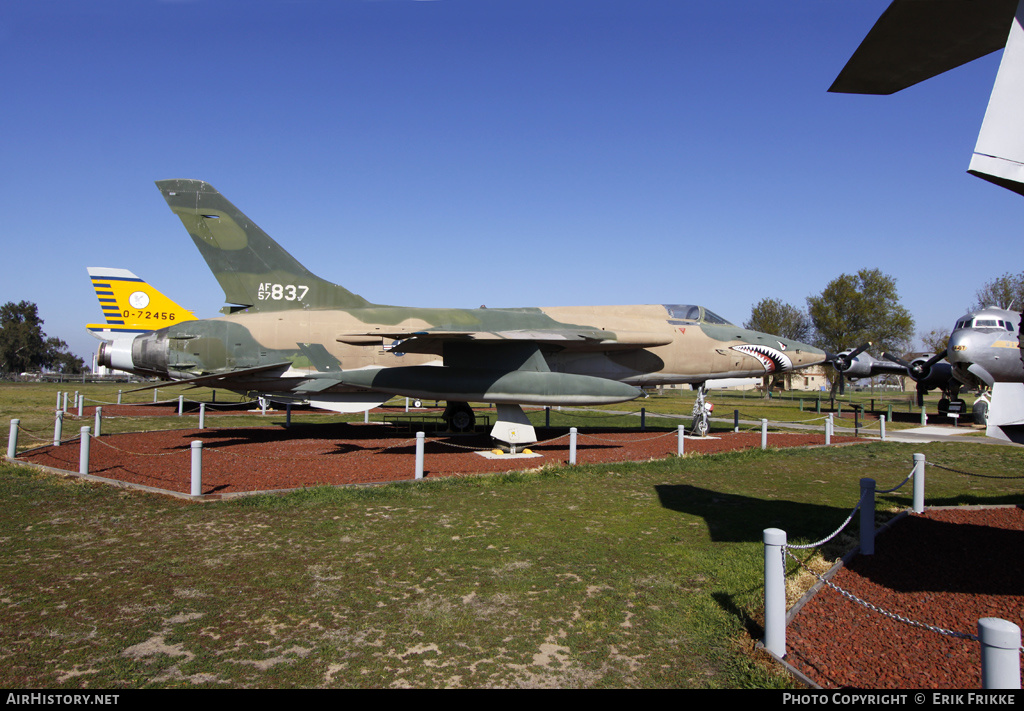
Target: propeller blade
x=920 y=395
x=896 y=359
x=859 y=349
x=843 y=361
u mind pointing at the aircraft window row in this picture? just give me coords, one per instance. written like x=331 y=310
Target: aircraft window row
x=984 y=323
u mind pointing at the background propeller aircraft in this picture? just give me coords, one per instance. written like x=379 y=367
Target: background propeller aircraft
x=984 y=352
x=925 y=370
x=292 y=337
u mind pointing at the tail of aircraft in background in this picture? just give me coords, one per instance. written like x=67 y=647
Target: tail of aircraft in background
x=256 y=273
x=130 y=305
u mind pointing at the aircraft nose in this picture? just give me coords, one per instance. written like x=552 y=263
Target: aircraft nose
x=959 y=348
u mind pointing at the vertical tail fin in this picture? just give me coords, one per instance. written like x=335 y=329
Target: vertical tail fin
x=130 y=305
x=253 y=269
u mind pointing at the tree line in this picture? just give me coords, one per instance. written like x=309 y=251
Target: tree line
x=25 y=348
x=865 y=307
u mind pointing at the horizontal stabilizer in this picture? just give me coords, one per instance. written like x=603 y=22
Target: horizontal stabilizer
x=228 y=379
x=915 y=40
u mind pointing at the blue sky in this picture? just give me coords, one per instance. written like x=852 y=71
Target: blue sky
x=501 y=152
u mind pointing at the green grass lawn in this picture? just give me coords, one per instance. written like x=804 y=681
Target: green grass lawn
x=616 y=575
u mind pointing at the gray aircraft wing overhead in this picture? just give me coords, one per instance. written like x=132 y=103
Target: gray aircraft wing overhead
x=914 y=40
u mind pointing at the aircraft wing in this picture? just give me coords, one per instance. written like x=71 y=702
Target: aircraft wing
x=567 y=339
x=915 y=40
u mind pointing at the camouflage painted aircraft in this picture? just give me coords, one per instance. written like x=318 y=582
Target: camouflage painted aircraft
x=292 y=337
x=130 y=305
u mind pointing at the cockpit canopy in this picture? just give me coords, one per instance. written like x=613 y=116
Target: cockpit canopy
x=995 y=320
x=682 y=314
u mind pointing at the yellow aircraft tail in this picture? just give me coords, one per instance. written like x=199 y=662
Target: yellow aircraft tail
x=130 y=305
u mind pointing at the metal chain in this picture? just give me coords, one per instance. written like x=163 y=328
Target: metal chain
x=832 y=535
x=595 y=438
x=102 y=441
x=980 y=476
x=898 y=486
x=891 y=615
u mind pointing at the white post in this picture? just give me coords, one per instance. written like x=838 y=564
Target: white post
x=420 y=439
x=96 y=420
x=83 y=451
x=924 y=416
x=154 y=394
x=79 y=401
x=775 y=591
x=681 y=446
x=764 y=433
x=58 y=424
x=1000 y=653
x=263 y=405
x=58 y=399
x=919 y=463
x=118 y=397
x=197 y=468
x=572 y=445
x=181 y=404
x=406 y=404
x=366 y=417
x=828 y=429
x=65 y=408
x=867 y=516
x=12 y=440
x=202 y=415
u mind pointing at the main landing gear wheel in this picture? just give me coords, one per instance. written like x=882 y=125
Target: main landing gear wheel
x=980 y=412
x=459 y=416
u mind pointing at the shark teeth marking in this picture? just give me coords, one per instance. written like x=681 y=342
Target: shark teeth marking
x=773 y=360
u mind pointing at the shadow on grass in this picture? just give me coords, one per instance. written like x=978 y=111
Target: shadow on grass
x=736 y=518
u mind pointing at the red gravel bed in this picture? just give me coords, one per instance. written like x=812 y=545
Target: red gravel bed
x=945 y=568
x=267 y=458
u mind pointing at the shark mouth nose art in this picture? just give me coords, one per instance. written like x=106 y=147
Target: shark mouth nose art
x=773 y=360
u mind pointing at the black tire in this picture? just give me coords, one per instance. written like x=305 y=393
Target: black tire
x=980 y=412
x=460 y=417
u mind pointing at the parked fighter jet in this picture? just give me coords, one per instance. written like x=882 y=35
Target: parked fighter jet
x=293 y=337
x=130 y=305
x=984 y=352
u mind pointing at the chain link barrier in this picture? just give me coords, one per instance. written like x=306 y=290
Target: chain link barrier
x=786 y=550
x=960 y=471
x=892 y=615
